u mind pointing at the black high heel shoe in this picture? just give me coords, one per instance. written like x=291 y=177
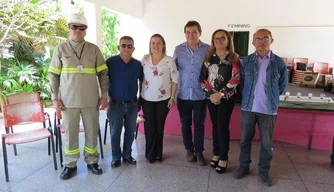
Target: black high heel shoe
x=159 y=159
x=220 y=169
x=213 y=163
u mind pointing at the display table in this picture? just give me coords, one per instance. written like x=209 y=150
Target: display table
x=305 y=123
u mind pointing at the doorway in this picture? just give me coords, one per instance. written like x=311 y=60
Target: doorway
x=241 y=42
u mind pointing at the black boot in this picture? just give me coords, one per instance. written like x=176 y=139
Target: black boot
x=95 y=168
x=68 y=173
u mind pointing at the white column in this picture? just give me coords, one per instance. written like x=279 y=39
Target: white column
x=93 y=14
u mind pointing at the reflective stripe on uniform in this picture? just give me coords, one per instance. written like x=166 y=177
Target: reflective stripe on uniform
x=54 y=70
x=75 y=71
x=72 y=152
x=90 y=150
x=101 y=67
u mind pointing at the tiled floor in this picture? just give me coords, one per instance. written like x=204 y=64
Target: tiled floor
x=293 y=169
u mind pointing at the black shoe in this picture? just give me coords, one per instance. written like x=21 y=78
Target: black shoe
x=220 y=169
x=332 y=163
x=95 y=168
x=115 y=163
x=130 y=160
x=213 y=163
x=159 y=159
x=241 y=172
x=191 y=156
x=68 y=173
x=200 y=159
x=264 y=177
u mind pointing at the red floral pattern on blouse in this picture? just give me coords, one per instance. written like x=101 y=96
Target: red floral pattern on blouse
x=158 y=78
x=212 y=80
x=162 y=91
x=155 y=72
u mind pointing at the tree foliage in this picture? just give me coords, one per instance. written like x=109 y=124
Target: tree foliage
x=29 y=29
x=36 y=23
x=110 y=22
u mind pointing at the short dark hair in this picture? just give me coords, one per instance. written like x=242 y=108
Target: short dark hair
x=126 y=37
x=263 y=30
x=193 y=23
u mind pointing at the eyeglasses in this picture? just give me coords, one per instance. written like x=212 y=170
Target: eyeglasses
x=125 y=45
x=75 y=27
x=265 y=39
x=223 y=38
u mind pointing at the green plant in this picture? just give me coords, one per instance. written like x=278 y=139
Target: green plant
x=19 y=76
x=110 y=22
x=30 y=29
x=37 y=23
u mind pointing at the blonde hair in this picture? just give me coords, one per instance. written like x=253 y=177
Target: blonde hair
x=163 y=42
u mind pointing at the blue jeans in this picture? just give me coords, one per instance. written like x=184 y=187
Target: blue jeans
x=119 y=113
x=266 y=129
x=186 y=108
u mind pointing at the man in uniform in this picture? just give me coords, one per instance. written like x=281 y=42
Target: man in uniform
x=73 y=71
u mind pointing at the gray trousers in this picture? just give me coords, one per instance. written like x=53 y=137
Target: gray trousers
x=71 y=121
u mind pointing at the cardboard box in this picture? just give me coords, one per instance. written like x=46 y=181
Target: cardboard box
x=329 y=80
x=322 y=80
x=297 y=76
x=310 y=79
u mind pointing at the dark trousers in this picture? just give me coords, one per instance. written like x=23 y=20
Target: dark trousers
x=118 y=114
x=266 y=129
x=155 y=114
x=220 y=117
x=186 y=109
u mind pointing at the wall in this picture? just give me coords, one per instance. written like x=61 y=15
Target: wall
x=170 y=18
x=146 y=17
x=130 y=14
x=132 y=8
x=315 y=43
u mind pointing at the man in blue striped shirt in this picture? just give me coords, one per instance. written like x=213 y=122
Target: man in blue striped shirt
x=189 y=57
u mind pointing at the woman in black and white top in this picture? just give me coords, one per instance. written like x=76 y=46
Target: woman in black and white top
x=219 y=78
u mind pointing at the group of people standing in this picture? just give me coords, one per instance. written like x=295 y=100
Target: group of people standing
x=197 y=76
x=217 y=70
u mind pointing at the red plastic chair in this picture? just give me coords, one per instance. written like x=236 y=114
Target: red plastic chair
x=26 y=97
x=19 y=113
x=59 y=130
x=22 y=98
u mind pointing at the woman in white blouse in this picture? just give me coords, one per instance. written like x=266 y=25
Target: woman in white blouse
x=158 y=93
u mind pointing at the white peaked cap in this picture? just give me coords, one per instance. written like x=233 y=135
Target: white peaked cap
x=78 y=18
